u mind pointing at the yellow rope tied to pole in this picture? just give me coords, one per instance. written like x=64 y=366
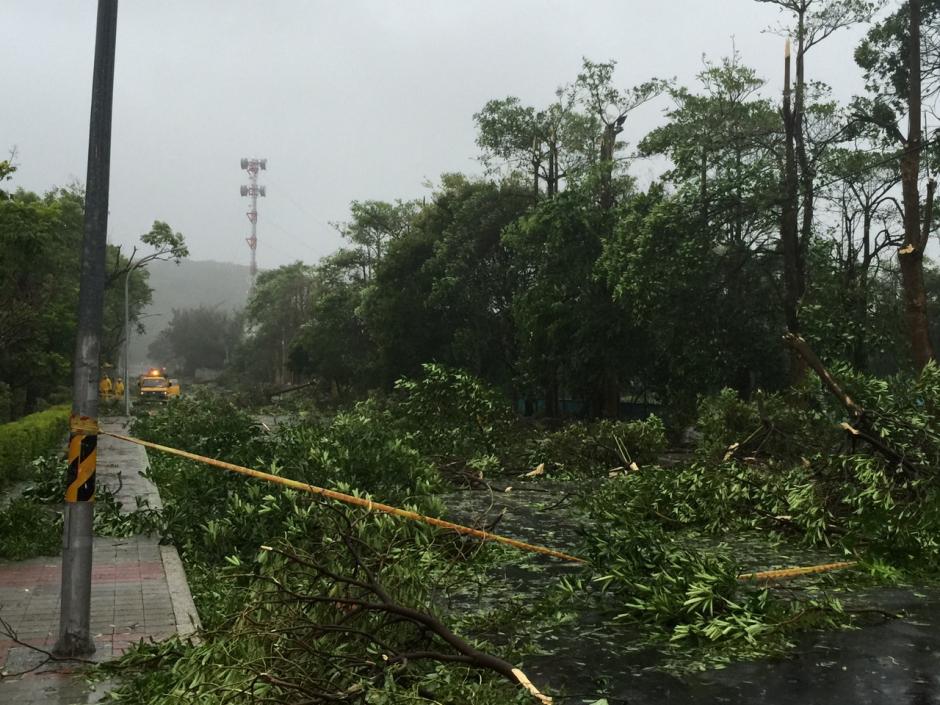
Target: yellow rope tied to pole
x=370 y=505
x=350 y=499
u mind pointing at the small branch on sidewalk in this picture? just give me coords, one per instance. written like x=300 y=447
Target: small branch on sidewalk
x=7 y=630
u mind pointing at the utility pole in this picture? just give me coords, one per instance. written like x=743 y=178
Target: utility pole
x=252 y=166
x=127 y=338
x=75 y=616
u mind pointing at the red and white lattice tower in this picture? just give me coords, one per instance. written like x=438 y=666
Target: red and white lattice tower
x=252 y=190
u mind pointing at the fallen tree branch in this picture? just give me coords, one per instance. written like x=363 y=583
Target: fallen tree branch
x=7 y=630
x=802 y=348
x=861 y=428
x=356 y=593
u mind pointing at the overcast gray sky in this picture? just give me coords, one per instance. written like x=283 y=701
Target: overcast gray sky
x=347 y=100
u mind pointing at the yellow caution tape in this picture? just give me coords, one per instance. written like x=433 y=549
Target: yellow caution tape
x=370 y=505
x=784 y=573
x=367 y=504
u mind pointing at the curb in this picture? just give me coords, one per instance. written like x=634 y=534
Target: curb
x=184 y=609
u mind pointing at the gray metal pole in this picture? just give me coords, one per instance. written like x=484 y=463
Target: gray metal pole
x=127 y=337
x=74 y=619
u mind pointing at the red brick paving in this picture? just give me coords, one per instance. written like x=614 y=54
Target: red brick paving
x=132 y=597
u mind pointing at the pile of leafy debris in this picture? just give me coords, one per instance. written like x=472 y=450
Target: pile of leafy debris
x=304 y=600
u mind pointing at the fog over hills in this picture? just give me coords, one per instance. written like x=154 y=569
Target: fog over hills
x=189 y=284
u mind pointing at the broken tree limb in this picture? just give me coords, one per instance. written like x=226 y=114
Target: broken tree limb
x=802 y=348
x=879 y=445
x=355 y=590
x=862 y=429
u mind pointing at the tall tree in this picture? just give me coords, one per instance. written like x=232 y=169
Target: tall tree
x=332 y=344
x=723 y=140
x=40 y=237
x=372 y=226
x=860 y=194
x=813 y=22
x=550 y=146
x=610 y=106
x=163 y=245
x=277 y=309
x=572 y=336
x=705 y=316
x=444 y=291
x=892 y=56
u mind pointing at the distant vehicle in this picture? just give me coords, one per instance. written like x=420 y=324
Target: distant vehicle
x=156 y=386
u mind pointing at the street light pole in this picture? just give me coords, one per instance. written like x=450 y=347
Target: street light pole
x=127 y=337
x=127 y=324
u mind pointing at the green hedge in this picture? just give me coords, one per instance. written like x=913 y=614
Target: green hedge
x=29 y=437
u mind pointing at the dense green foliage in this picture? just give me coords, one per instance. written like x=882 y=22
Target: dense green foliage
x=665 y=544
x=31 y=521
x=28 y=529
x=29 y=437
x=41 y=239
x=221 y=522
x=450 y=413
x=563 y=281
x=599 y=447
x=782 y=464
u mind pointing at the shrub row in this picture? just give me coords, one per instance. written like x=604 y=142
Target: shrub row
x=29 y=437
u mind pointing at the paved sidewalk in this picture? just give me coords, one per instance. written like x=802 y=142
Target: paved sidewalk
x=139 y=591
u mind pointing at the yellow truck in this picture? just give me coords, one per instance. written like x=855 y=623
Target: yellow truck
x=154 y=385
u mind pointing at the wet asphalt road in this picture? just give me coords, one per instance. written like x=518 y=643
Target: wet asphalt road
x=887 y=662
x=884 y=662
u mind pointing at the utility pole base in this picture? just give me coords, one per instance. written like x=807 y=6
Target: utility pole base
x=75 y=616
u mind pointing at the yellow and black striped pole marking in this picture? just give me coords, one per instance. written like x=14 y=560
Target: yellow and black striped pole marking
x=83 y=459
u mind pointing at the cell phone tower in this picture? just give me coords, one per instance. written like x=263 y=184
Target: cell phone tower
x=253 y=190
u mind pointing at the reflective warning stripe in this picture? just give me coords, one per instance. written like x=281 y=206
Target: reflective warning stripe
x=83 y=460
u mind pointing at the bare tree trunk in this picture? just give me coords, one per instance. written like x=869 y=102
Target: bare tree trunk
x=806 y=173
x=552 y=168
x=703 y=183
x=860 y=301
x=608 y=140
x=789 y=228
x=911 y=256
x=607 y=401
x=535 y=178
